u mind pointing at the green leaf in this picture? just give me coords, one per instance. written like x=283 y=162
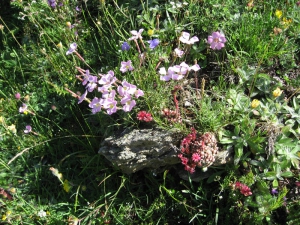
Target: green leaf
x=287 y=174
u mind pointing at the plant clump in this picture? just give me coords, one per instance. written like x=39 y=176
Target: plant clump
x=198 y=150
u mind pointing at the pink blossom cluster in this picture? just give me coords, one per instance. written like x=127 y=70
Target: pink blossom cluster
x=112 y=92
x=144 y=116
x=189 y=156
x=244 y=189
x=176 y=72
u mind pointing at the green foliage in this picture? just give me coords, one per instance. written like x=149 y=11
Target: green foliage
x=53 y=174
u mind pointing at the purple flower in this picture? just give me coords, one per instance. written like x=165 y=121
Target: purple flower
x=127 y=103
x=92 y=83
x=216 y=40
x=82 y=97
x=52 y=3
x=110 y=105
x=28 y=129
x=274 y=191
x=96 y=105
x=126 y=89
x=77 y=9
x=153 y=43
x=185 y=38
x=72 y=48
x=107 y=80
x=125 y=66
x=125 y=46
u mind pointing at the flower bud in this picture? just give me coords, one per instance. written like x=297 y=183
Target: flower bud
x=277 y=92
x=255 y=103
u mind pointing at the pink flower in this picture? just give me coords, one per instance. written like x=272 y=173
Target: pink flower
x=216 y=40
x=244 y=189
x=144 y=116
x=185 y=38
x=125 y=66
x=17 y=96
x=196 y=157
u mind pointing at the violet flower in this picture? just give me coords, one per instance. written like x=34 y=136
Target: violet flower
x=82 y=97
x=125 y=46
x=153 y=43
x=52 y=3
x=72 y=48
x=216 y=40
x=274 y=191
x=96 y=105
x=28 y=129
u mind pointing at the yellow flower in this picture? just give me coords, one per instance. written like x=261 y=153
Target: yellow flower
x=12 y=128
x=255 y=103
x=4 y=217
x=286 y=22
x=1 y=119
x=27 y=98
x=277 y=92
x=69 y=25
x=59 y=45
x=150 y=32
x=278 y=13
x=13 y=190
x=8 y=212
x=66 y=185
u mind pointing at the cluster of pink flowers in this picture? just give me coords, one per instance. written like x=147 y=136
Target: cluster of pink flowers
x=106 y=85
x=144 y=116
x=189 y=156
x=244 y=189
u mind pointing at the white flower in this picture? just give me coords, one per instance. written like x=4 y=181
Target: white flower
x=42 y=213
x=136 y=35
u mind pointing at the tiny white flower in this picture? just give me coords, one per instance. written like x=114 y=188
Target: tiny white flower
x=42 y=213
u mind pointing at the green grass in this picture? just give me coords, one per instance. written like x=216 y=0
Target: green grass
x=260 y=55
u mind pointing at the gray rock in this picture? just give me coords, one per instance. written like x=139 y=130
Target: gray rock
x=139 y=149
x=152 y=149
